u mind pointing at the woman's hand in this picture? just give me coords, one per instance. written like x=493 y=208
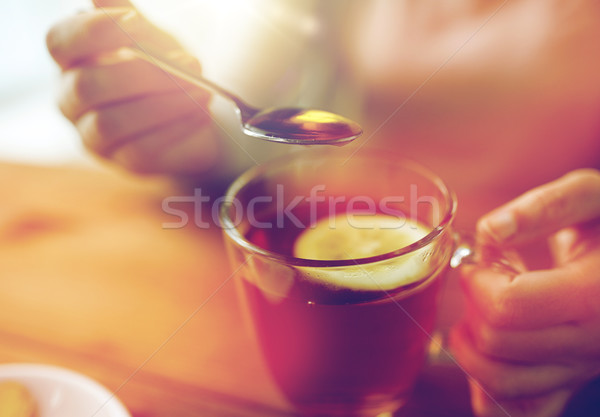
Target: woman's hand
x=527 y=342
x=126 y=109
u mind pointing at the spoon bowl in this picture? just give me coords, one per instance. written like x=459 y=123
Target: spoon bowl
x=302 y=126
x=291 y=125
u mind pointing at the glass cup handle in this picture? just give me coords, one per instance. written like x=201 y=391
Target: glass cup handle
x=469 y=251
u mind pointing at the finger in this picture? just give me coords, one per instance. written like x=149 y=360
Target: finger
x=570 y=200
x=563 y=245
x=112 y=3
x=186 y=146
x=571 y=243
x=140 y=25
x=564 y=344
x=89 y=87
x=547 y=405
x=534 y=299
x=89 y=33
x=92 y=33
x=106 y=128
x=504 y=380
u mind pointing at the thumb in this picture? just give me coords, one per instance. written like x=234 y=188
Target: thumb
x=112 y=3
x=570 y=200
x=551 y=404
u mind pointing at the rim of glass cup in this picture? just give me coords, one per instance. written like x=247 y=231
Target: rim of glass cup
x=232 y=231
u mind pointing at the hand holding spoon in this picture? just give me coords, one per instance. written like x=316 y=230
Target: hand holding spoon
x=285 y=125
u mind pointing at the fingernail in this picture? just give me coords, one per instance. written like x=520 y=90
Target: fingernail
x=129 y=20
x=502 y=226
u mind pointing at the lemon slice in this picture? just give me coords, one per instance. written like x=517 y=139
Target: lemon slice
x=354 y=236
x=16 y=400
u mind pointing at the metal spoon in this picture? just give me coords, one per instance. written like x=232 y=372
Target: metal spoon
x=285 y=125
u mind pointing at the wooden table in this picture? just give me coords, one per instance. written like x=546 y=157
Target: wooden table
x=90 y=279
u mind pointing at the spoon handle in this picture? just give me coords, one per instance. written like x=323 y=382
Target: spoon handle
x=168 y=65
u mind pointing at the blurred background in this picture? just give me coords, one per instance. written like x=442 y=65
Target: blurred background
x=32 y=129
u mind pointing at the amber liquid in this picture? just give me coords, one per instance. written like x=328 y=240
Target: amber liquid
x=307 y=126
x=337 y=351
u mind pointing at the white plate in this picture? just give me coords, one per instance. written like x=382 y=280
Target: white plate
x=60 y=392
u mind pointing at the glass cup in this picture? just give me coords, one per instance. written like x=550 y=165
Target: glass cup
x=343 y=337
